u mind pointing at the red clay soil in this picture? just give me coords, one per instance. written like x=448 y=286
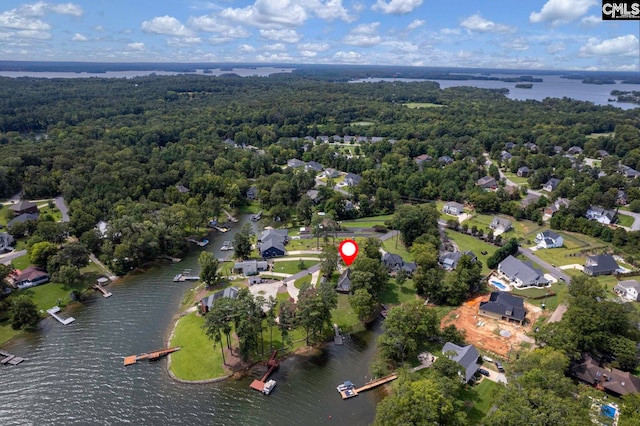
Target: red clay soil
x=484 y=337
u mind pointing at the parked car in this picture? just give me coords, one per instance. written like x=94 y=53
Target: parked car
x=499 y=366
x=483 y=372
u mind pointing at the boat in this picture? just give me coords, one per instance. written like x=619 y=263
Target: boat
x=268 y=387
x=177 y=278
x=203 y=243
x=220 y=228
x=347 y=385
x=227 y=245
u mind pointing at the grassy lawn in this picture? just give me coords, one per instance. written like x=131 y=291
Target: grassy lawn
x=569 y=253
x=515 y=178
x=362 y=123
x=624 y=220
x=393 y=245
x=483 y=396
x=46 y=296
x=392 y=294
x=307 y=244
x=302 y=281
x=467 y=242
x=252 y=208
x=53 y=212
x=552 y=302
x=197 y=359
x=291 y=266
x=521 y=230
x=366 y=222
x=7 y=332
x=344 y=316
x=21 y=262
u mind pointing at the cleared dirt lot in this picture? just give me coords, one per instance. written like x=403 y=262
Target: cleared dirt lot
x=487 y=337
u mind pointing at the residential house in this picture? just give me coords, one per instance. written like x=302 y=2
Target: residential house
x=453 y=208
x=531 y=146
x=252 y=193
x=294 y=163
x=25 y=217
x=628 y=289
x=523 y=172
x=628 y=172
x=445 y=159
x=621 y=198
x=30 y=276
x=555 y=206
x=601 y=264
x=24 y=207
x=601 y=215
x=376 y=139
x=6 y=241
x=352 y=179
x=331 y=173
x=348 y=205
x=500 y=224
x=337 y=138
x=558 y=149
x=465 y=356
x=314 y=165
x=549 y=239
x=503 y=306
x=314 y=194
x=272 y=241
x=449 y=261
x=487 y=182
x=505 y=156
x=250 y=267
x=509 y=146
x=231 y=143
x=348 y=138
x=611 y=380
x=208 y=302
x=395 y=263
x=521 y=274
x=344 y=281
x=422 y=158
x=551 y=185
x=182 y=189
x=601 y=153
x=529 y=199
x=323 y=138
x=574 y=150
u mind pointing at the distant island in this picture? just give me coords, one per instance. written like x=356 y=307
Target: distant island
x=632 y=97
x=524 y=86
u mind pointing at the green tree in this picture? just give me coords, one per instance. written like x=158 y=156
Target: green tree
x=40 y=253
x=23 y=313
x=329 y=260
x=304 y=210
x=401 y=277
x=363 y=304
x=209 y=265
x=372 y=248
x=369 y=274
x=413 y=221
x=67 y=275
x=5 y=271
x=242 y=242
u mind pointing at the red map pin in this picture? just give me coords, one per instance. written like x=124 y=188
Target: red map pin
x=348 y=251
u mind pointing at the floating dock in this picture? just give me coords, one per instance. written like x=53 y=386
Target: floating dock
x=186 y=275
x=53 y=311
x=101 y=289
x=350 y=393
x=273 y=363
x=7 y=358
x=337 y=338
x=151 y=356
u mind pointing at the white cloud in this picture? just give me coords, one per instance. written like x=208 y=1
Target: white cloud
x=518 y=44
x=558 y=12
x=396 y=7
x=67 y=9
x=591 y=21
x=34 y=35
x=13 y=20
x=246 y=48
x=450 y=31
x=184 y=41
x=99 y=28
x=166 y=25
x=623 y=46
x=479 y=24
x=286 y=35
x=136 y=46
x=274 y=57
x=308 y=53
x=329 y=10
x=349 y=57
x=363 y=35
x=268 y=14
x=314 y=47
x=79 y=37
x=415 y=24
x=556 y=48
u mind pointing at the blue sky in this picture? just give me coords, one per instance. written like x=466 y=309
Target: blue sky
x=527 y=34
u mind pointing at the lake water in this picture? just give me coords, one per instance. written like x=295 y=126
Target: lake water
x=75 y=373
x=242 y=72
x=552 y=86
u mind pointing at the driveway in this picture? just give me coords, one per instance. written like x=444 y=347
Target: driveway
x=555 y=272
x=7 y=258
x=64 y=209
x=557 y=314
x=636 y=219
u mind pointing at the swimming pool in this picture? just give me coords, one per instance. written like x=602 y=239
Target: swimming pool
x=499 y=285
x=608 y=411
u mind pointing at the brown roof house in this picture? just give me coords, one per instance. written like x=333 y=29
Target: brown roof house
x=23 y=206
x=30 y=277
x=611 y=380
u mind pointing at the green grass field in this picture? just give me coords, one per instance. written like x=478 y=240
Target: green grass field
x=7 y=332
x=306 y=244
x=481 y=398
x=21 y=262
x=395 y=246
x=515 y=178
x=366 y=222
x=291 y=266
x=624 y=220
x=560 y=293
x=302 y=281
x=392 y=294
x=362 y=123
x=467 y=242
x=524 y=230
x=344 y=316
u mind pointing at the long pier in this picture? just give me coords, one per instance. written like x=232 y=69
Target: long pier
x=151 y=356
x=53 y=311
x=7 y=358
x=372 y=384
x=101 y=289
x=231 y=218
x=273 y=363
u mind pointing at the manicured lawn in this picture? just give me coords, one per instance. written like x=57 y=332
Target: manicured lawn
x=483 y=396
x=344 y=316
x=366 y=222
x=569 y=253
x=46 y=296
x=551 y=302
x=197 y=359
x=21 y=262
x=395 y=246
x=515 y=178
x=291 y=266
x=624 y=220
x=252 y=208
x=7 y=332
x=306 y=244
x=524 y=229
x=53 y=212
x=302 y=281
x=392 y=294
x=467 y=242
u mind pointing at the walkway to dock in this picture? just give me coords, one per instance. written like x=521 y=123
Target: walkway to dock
x=337 y=338
x=273 y=363
x=151 y=356
x=350 y=393
x=231 y=218
x=53 y=311
x=7 y=358
x=101 y=289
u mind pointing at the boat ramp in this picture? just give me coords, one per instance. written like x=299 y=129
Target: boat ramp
x=53 y=312
x=7 y=358
x=151 y=356
x=273 y=363
x=350 y=393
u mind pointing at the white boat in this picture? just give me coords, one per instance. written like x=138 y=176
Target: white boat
x=347 y=385
x=268 y=387
x=226 y=246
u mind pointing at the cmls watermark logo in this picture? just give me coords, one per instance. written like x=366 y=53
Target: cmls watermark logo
x=621 y=10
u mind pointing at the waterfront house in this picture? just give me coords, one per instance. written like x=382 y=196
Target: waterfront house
x=465 y=356
x=503 y=306
x=601 y=215
x=549 y=239
x=487 y=182
x=521 y=274
x=500 y=224
x=601 y=264
x=272 y=241
x=250 y=267
x=24 y=207
x=344 y=281
x=551 y=185
x=453 y=208
x=611 y=380
x=30 y=276
x=628 y=289
x=208 y=302
x=6 y=241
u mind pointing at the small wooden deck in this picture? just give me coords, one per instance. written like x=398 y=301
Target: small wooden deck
x=7 y=358
x=151 y=356
x=53 y=312
x=101 y=289
x=273 y=363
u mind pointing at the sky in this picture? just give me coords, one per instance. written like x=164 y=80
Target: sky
x=513 y=34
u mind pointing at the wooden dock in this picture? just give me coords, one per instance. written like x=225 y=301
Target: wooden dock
x=7 y=358
x=350 y=393
x=337 y=338
x=151 y=356
x=231 y=218
x=101 y=289
x=53 y=312
x=273 y=363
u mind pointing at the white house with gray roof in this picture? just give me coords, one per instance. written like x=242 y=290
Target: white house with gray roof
x=601 y=215
x=628 y=289
x=453 y=208
x=549 y=239
x=521 y=274
x=500 y=224
x=465 y=356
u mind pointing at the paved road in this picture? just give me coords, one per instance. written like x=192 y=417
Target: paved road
x=636 y=219
x=7 y=258
x=555 y=272
x=64 y=209
x=508 y=181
